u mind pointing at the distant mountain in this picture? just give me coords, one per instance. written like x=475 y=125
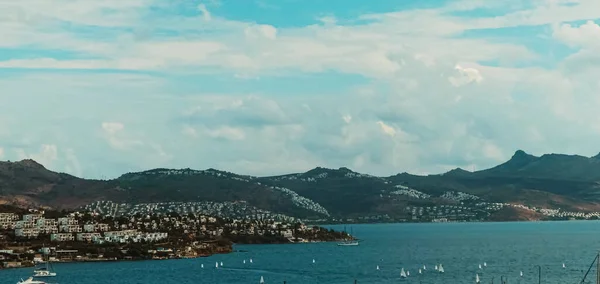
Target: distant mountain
x=569 y=182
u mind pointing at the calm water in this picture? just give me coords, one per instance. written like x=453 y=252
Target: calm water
x=506 y=247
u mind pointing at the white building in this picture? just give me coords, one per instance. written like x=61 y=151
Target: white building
x=88 y=237
x=27 y=232
x=69 y=228
x=62 y=237
x=67 y=221
x=90 y=228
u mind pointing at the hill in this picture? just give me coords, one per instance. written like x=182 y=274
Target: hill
x=553 y=181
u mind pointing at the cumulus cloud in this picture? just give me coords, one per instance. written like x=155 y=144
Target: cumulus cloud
x=439 y=93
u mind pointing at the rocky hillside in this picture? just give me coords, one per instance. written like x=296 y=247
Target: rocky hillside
x=549 y=181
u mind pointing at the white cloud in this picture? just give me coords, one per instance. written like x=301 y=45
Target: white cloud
x=1 y=152
x=205 y=13
x=388 y=130
x=586 y=35
x=114 y=133
x=225 y=132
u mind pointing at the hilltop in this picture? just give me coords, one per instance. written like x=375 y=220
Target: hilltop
x=551 y=181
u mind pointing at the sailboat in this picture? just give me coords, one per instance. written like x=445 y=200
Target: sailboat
x=480 y=266
x=216 y=265
x=44 y=271
x=436 y=268
x=407 y=273
x=244 y=261
x=441 y=268
x=377 y=267
x=262 y=280
x=477 y=278
x=349 y=242
x=202 y=265
x=484 y=264
x=221 y=264
x=564 y=266
x=402 y=273
x=521 y=274
x=313 y=260
x=30 y=281
x=420 y=272
x=424 y=267
x=250 y=260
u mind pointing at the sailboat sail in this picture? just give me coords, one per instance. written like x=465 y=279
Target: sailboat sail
x=441 y=269
x=402 y=273
x=477 y=278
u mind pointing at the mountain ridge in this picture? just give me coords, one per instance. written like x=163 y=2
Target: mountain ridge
x=568 y=182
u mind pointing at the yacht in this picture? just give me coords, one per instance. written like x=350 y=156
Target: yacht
x=349 y=242
x=30 y=281
x=46 y=271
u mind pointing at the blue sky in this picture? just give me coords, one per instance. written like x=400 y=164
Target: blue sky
x=100 y=88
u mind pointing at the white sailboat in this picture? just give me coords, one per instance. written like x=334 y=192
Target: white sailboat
x=202 y=265
x=436 y=268
x=477 y=278
x=377 y=267
x=521 y=274
x=30 y=281
x=349 y=242
x=250 y=260
x=564 y=266
x=313 y=260
x=424 y=267
x=216 y=265
x=441 y=268
x=244 y=261
x=480 y=266
x=402 y=273
x=407 y=273
x=420 y=272
x=221 y=264
x=262 y=280
x=484 y=264
x=46 y=271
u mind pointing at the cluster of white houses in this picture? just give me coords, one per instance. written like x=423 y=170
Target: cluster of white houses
x=67 y=229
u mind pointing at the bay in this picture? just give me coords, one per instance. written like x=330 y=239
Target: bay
x=507 y=248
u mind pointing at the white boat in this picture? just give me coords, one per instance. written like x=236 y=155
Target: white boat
x=244 y=261
x=30 y=281
x=436 y=268
x=262 y=280
x=480 y=266
x=485 y=264
x=221 y=263
x=402 y=273
x=250 y=260
x=521 y=274
x=377 y=267
x=441 y=269
x=477 y=278
x=216 y=265
x=202 y=265
x=424 y=267
x=407 y=273
x=350 y=242
x=313 y=260
x=420 y=272
x=44 y=271
x=564 y=266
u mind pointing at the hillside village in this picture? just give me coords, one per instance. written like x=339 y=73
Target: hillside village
x=88 y=236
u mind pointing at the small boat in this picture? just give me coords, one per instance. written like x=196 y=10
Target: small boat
x=521 y=274
x=477 y=278
x=564 y=266
x=480 y=266
x=30 y=281
x=313 y=260
x=221 y=263
x=485 y=264
x=402 y=273
x=202 y=265
x=377 y=267
x=420 y=272
x=407 y=273
x=349 y=242
x=424 y=267
x=216 y=265
x=441 y=269
x=250 y=260
x=244 y=261
x=262 y=280
x=46 y=271
x=436 y=268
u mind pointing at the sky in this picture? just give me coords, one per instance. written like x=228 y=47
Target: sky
x=264 y=87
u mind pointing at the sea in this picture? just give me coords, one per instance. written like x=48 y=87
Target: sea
x=505 y=248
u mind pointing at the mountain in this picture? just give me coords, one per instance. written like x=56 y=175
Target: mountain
x=568 y=182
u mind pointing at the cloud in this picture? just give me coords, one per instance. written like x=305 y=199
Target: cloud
x=188 y=84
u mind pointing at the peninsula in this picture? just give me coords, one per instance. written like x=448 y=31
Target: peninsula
x=31 y=236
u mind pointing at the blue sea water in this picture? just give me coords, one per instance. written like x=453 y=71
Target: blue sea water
x=508 y=248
